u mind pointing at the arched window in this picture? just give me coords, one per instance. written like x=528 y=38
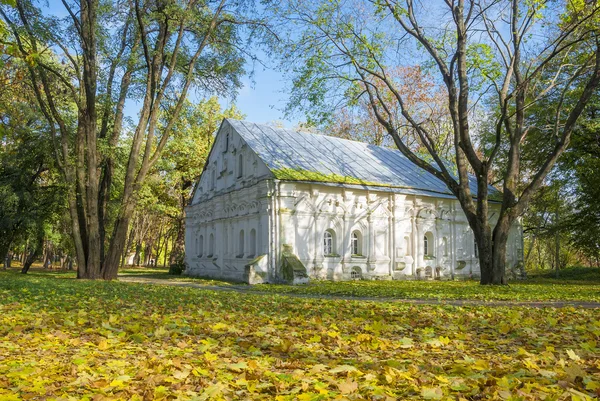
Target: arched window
x=252 y=246
x=241 y=245
x=240 y=166
x=213 y=177
x=201 y=246
x=428 y=244
x=328 y=243
x=356 y=243
x=356 y=273
x=211 y=245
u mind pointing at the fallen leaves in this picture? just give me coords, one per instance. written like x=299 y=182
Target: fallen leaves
x=64 y=339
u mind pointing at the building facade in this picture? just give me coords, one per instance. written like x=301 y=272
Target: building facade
x=274 y=205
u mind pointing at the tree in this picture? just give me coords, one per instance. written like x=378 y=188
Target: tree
x=187 y=152
x=30 y=191
x=94 y=61
x=490 y=57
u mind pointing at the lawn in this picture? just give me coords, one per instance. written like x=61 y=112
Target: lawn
x=67 y=339
x=579 y=284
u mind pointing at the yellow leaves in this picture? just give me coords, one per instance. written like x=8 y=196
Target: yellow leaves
x=232 y=346
x=505 y=329
x=161 y=332
x=103 y=345
x=120 y=382
x=347 y=387
x=220 y=327
x=161 y=392
x=343 y=369
x=237 y=367
x=406 y=342
x=572 y=355
x=333 y=334
x=181 y=374
x=434 y=393
x=210 y=357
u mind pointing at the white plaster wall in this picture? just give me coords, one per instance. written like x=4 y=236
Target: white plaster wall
x=392 y=228
x=232 y=196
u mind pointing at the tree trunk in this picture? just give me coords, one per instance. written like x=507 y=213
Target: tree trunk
x=32 y=255
x=28 y=261
x=492 y=252
x=125 y=252
x=178 y=249
x=166 y=249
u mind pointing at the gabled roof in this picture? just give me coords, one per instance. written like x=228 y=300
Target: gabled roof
x=301 y=156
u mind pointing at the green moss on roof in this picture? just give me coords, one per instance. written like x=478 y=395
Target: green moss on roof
x=291 y=174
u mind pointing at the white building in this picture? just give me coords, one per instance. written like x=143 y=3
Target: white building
x=274 y=205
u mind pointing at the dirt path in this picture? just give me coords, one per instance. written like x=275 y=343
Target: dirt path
x=453 y=302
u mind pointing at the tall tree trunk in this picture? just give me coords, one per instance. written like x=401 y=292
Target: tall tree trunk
x=166 y=249
x=89 y=127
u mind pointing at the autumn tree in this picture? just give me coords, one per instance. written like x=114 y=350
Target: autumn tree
x=490 y=57
x=103 y=56
x=356 y=120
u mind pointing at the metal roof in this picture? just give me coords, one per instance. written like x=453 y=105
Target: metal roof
x=303 y=156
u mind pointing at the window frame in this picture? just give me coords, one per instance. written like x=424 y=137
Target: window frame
x=329 y=243
x=356 y=243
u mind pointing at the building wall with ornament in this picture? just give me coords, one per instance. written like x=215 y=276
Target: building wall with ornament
x=251 y=211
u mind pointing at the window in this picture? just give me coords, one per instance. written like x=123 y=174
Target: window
x=201 y=246
x=355 y=243
x=226 y=144
x=241 y=245
x=445 y=245
x=213 y=177
x=328 y=242
x=211 y=245
x=252 y=250
x=240 y=166
x=406 y=246
x=475 y=247
x=428 y=245
x=356 y=273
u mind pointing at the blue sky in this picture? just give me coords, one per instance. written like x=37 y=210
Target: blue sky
x=263 y=97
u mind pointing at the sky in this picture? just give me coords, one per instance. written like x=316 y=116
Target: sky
x=263 y=98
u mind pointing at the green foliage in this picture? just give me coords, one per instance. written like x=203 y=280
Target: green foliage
x=176 y=269
x=110 y=340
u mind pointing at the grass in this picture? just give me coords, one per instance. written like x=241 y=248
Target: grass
x=68 y=339
x=580 y=284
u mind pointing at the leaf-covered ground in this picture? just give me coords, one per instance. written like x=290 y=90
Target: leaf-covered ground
x=68 y=339
x=579 y=284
